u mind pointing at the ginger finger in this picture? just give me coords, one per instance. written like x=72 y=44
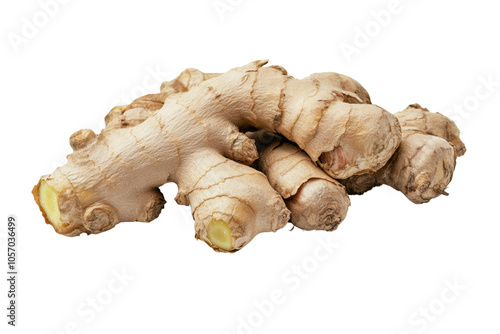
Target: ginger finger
x=231 y=203
x=315 y=200
x=424 y=163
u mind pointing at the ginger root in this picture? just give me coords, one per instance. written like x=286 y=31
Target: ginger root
x=316 y=201
x=193 y=133
x=421 y=168
x=424 y=163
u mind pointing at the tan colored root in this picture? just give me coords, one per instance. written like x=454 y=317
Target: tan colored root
x=114 y=176
x=185 y=81
x=306 y=211
x=315 y=200
x=318 y=205
x=424 y=163
x=135 y=113
x=220 y=189
x=357 y=116
x=415 y=182
x=434 y=124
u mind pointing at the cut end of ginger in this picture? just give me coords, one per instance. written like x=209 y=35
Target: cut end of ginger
x=219 y=234
x=48 y=198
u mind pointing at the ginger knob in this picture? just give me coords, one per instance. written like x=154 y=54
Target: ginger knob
x=81 y=138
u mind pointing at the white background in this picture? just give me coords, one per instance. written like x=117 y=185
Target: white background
x=393 y=260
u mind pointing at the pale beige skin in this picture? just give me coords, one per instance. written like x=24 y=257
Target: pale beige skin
x=315 y=200
x=335 y=162
x=114 y=176
x=424 y=163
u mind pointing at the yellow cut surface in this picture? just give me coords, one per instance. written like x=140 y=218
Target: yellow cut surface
x=48 y=197
x=219 y=234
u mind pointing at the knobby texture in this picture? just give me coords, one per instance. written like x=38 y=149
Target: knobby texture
x=316 y=201
x=421 y=168
x=192 y=133
x=424 y=163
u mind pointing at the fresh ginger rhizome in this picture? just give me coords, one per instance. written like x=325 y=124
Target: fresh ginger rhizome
x=249 y=149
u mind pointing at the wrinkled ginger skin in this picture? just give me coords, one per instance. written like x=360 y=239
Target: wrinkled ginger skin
x=415 y=120
x=185 y=81
x=315 y=200
x=114 y=176
x=423 y=165
x=434 y=124
x=357 y=115
x=345 y=89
